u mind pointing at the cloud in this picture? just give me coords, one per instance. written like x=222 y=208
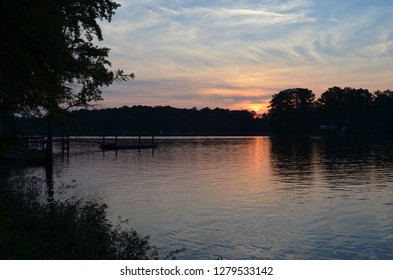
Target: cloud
x=233 y=52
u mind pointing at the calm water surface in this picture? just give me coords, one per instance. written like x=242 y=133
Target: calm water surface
x=246 y=197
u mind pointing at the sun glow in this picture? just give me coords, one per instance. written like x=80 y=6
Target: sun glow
x=258 y=108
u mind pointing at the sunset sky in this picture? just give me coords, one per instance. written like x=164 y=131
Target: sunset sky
x=237 y=54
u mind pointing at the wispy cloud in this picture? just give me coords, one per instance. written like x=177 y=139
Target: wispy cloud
x=239 y=52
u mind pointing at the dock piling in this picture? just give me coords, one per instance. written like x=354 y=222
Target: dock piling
x=65 y=144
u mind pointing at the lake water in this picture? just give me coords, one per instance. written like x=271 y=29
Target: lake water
x=245 y=197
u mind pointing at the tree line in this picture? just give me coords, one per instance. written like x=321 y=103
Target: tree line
x=49 y=64
x=158 y=120
x=337 y=110
x=291 y=111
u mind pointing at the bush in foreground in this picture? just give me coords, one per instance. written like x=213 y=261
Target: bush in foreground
x=78 y=230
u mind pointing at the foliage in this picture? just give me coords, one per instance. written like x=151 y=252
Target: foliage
x=295 y=111
x=30 y=229
x=290 y=110
x=346 y=107
x=48 y=58
x=382 y=111
x=145 y=119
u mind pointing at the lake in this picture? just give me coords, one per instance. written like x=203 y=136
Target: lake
x=244 y=197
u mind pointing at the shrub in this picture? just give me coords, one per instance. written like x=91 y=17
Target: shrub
x=71 y=229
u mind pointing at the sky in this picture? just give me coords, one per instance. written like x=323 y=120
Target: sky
x=237 y=54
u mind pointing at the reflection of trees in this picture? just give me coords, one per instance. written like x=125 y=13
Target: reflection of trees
x=345 y=161
x=49 y=181
x=292 y=159
x=352 y=161
x=337 y=162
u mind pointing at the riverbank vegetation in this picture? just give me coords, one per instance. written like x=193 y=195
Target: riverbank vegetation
x=34 y=228
x=337 y=110
x=151 y=120
x=291 y=111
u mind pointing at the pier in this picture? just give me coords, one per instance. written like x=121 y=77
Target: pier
x=105 y=142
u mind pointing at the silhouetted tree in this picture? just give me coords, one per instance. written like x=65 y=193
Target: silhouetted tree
x=291 y=111
x=156 y=120
x=383 y=111
x=346 y=107
x=48 y=59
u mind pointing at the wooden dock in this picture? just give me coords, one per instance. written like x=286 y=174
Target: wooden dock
x=104 y=142
x=127 y=146
x=119 y=144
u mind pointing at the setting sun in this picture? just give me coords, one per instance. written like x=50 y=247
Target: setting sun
x=258 y=108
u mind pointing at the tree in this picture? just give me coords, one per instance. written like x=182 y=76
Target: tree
x=290 y=111
x=346 y=107
x=383 y=111
x=48 y=59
